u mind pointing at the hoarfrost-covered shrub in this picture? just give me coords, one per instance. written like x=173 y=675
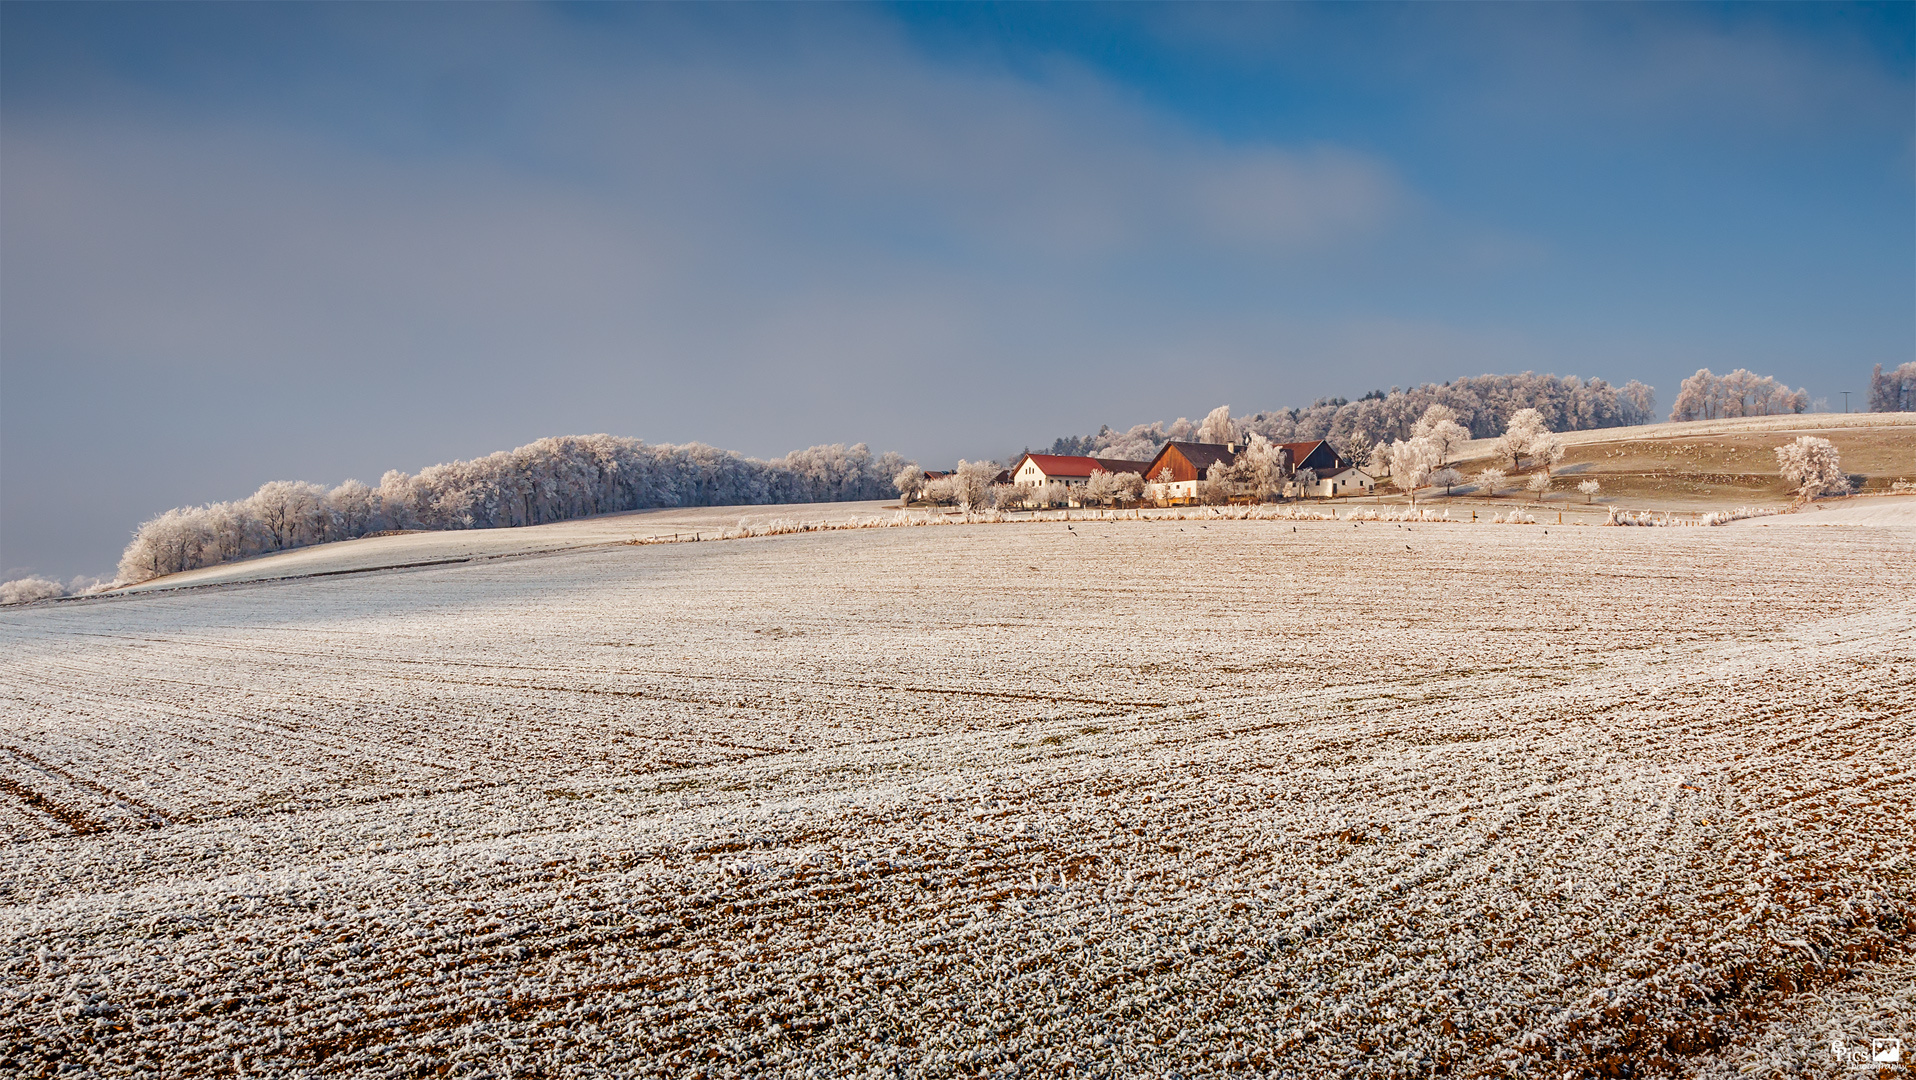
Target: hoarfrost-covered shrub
x=1664 y=520
x=1400 y=515
x=1009 y=496
x=1539 y=483
x=1724 y=517
x=941 y=491
x=1589 y=489
x=1490 y=481
x=1050 y=493
x=1813 y=466
x=1515 y=517
x=28 y=589
x=1448 y=477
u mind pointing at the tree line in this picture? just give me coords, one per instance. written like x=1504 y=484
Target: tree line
x=1894 y=392
x=553 y=479
x=1482 y=405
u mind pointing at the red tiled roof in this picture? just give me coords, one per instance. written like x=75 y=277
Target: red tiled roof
x=1064 y=465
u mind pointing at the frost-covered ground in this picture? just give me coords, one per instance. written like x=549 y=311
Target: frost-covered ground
x=1256 y=798
x=1869 y=510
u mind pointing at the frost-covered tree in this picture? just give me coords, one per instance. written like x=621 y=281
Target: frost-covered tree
x=1546 y=450
x=941 y=491
x=1445 y=437
x=1009 y=496
x=351 y=510
x=1051 y=493
x=548 y=480
x=1539 y=484
x=1302 y=481
x=1221 y=482
x=26 y=590
x=1128 y=486
x=1813 y=466
x=1411 y=464
x=1707 y=396
x=1894 y=392
x=1524 y=428
x=1380 y=458
x=1589 y=489
x=289 y=511
x=1099 y=489
x=1482 y=404
x=1436 y=414
x=1164 y=479
x=1260 y=466
x=909 y=481
x=1636 y=403
x=971 y=483
x=1448 y=477
x=1217 y=427
x=1490 y=481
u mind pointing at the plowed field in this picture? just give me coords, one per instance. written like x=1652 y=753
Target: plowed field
x=1124 y=798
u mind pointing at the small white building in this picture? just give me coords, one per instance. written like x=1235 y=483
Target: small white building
x=1352 y=481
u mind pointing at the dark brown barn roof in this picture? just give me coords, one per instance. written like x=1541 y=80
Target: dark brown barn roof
x=1300 y=454
x=1118 y=465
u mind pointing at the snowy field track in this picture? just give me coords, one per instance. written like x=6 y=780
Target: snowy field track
x=1120 y=799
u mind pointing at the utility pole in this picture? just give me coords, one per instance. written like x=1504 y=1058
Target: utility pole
x=1846 y=401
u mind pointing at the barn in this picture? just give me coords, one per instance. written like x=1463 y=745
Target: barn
x=1187 y=463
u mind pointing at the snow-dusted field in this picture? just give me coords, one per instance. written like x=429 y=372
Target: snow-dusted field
x=1874 y=511
x=1120 y=799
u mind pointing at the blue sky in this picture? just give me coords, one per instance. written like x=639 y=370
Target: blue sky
x=241 y=243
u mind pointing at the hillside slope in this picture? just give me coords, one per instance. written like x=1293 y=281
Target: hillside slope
x=1714 y=464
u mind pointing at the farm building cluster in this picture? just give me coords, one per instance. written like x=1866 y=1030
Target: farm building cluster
x=1182 y=473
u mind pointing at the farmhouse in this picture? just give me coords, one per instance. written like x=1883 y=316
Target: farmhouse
x=1034 y=470
x=1190 y=463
